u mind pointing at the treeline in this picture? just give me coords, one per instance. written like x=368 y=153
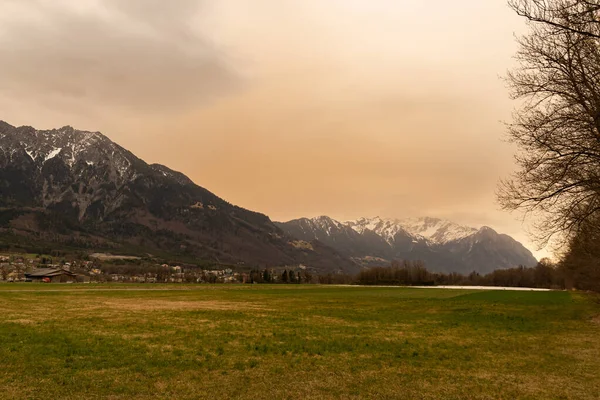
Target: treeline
x=285 y=276
x=414 y=273
x=581 y=263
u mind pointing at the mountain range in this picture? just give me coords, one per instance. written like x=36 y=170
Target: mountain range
x=80 y=189
x=444 y=246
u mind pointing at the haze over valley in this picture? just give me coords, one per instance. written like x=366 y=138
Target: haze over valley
x=340 y=113
x=80 y=189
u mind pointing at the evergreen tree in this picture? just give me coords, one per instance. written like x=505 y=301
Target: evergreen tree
x=267 y=276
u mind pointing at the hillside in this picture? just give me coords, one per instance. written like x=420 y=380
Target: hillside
x=80 y=189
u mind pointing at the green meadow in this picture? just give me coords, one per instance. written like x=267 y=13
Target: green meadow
x=295 y=342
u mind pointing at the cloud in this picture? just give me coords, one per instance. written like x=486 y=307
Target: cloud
x=342 y=107
x=134 y=54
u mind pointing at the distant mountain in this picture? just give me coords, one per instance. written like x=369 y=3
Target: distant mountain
x=444 y=246
x=81 y=189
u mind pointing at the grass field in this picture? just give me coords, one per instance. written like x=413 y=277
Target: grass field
x=295 y=342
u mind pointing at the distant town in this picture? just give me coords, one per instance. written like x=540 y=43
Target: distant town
x=100 y=268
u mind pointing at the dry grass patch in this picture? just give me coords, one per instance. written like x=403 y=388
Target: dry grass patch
x=330 y=321
x=160 y=305
x=23 y=321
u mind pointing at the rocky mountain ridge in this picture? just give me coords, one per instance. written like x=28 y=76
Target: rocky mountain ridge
x=81 y=188
x=443 y=245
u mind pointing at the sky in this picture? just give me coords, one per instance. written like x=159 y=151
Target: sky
x=346 y=108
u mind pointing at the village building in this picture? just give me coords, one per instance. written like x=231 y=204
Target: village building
x=53 y=275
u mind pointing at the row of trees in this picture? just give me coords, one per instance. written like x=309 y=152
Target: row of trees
x=414 y=273
x=400 y=273
x=286 y=276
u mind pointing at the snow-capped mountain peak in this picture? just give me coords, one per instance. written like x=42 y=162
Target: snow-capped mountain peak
x=76 y=149
x=443 y=245
x=435 y=230
x=386 y=228
x=322 y=224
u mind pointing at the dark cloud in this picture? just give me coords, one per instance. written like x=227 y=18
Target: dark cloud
x=141 y=54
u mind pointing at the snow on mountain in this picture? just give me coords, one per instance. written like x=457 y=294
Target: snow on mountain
x=386 y=228
x=326 y=223
x=443 y=245
x=318 y=227
x=435 y=230
x=52 y=154
x=75 y=148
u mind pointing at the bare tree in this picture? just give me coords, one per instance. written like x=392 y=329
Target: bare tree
x=573 y=15
x=557 y=126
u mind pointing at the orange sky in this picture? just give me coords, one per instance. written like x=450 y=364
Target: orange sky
x=293 y=108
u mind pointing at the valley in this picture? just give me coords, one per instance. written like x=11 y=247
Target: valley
x=295 y=341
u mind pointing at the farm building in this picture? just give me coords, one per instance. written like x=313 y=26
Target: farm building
x=54 y=275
